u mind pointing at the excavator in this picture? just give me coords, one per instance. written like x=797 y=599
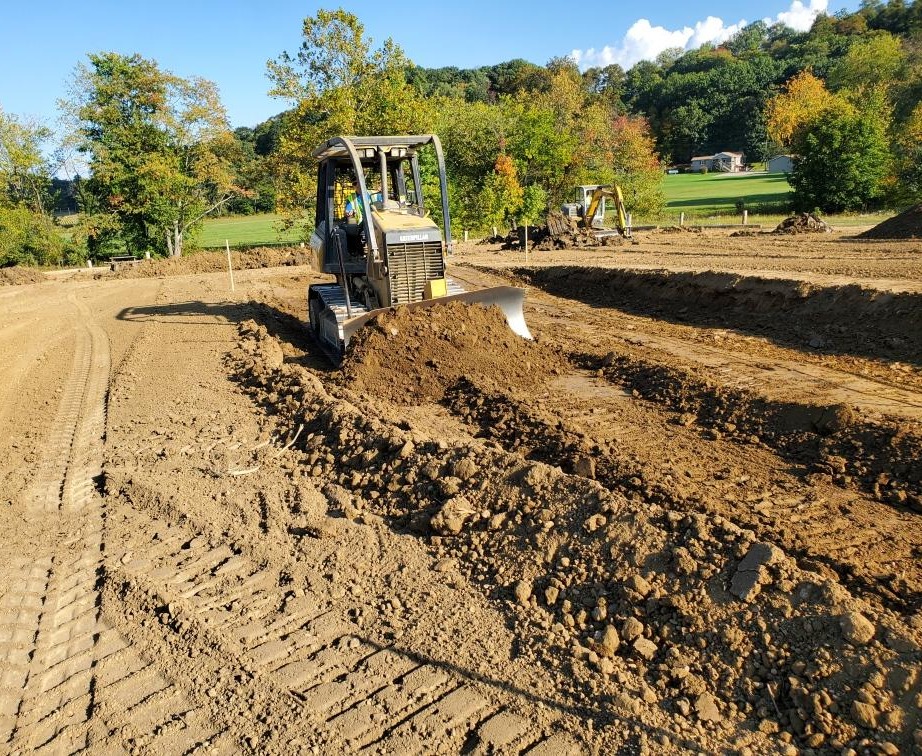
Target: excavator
x=589 y=208
x=383 y=247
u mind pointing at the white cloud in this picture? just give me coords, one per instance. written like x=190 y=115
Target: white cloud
x=643 y=41
x=800 y=16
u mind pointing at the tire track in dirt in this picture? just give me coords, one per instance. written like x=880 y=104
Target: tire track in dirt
x=61 y=661
x=292 y=658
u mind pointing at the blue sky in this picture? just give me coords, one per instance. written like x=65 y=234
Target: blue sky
x=229 y=42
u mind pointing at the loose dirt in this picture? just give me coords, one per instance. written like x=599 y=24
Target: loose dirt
x=670 y=525
x=804 y=223
x=906 y=225
x=413 y=356
x=19 y=275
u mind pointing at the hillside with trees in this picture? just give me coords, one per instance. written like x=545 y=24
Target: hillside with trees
x=844 y=98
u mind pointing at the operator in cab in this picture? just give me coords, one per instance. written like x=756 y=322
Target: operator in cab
x=354 y=204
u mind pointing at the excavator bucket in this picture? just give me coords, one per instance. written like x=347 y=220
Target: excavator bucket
x=509 y=299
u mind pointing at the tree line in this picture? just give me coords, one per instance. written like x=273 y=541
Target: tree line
x=843 y=98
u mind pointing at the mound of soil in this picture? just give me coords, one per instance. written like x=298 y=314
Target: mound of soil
x=405 y=356
x=791 y=311
x=19 y=275
x=906 y=225
x=804 y=223
x=681 y=622
x=211 y=262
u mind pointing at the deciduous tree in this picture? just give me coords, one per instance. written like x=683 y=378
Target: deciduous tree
x=159 y=150
x=25 y=175
x=842 y=159
x=804 y=98
x=338 y=84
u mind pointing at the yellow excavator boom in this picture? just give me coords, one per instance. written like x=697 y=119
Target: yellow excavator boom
x=614 y=194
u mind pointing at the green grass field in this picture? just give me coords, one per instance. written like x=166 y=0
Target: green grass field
x=711 y=198
x=702 y=195
x=247 y=231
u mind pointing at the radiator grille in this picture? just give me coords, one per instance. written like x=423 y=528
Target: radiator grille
x=410 y=266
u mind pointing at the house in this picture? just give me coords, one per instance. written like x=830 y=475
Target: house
x=781 y=164
x=701 y=163
x=726 y=162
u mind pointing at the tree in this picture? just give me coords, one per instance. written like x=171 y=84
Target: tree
x=907 y=183
x=28 y=233
x=874 y=62
x=159 y=151
x=30 y=238
x=25 y=176
x=841 y=161
x=473 y=135
x=804 y=98
x=338 y=84
x=502 y=193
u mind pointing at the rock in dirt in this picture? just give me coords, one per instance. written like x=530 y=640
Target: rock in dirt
x=864 y=714
x=706 y=708
x=584 y=466
x=645 y=648
x=631 y=629
x=856 y=628
x=451 y=517
x=610 y=641
x=522 y=591
x=751 y=573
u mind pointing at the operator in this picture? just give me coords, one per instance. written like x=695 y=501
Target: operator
x=354 y=204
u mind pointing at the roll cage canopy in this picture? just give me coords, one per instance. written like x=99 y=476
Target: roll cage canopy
x=365 y=150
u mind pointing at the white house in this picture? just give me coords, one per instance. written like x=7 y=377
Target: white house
x=726 y=162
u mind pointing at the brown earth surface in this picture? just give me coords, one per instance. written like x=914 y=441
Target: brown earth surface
x=685 y=519
x=19 y=275
x=906 y=225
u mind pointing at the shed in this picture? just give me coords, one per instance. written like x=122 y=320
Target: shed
x=781 y=164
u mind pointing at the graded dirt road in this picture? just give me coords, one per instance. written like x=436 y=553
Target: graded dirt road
x=686 y=519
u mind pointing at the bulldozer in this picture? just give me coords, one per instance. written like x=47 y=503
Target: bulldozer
x=383 y=247
x=590 y=206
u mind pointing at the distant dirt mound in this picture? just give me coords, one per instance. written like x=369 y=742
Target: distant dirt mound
x=804 y=223
x=211 y=262
x=405 y=356
x=906 y=225
x=20 y=275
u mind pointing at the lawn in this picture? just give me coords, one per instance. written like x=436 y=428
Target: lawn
x=248 y=231
x=703 y=195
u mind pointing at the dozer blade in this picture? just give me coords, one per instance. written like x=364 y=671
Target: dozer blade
x=509 y=299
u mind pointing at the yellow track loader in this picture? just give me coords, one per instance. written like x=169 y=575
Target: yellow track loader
x=382 y=246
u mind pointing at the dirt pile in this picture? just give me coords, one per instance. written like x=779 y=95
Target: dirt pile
x=880 y=324
x=211 y=262
x=677 y=623
x=563 y=232
x=804 y=223
x=906 y=225
x=19 y=275
x=407 y=356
